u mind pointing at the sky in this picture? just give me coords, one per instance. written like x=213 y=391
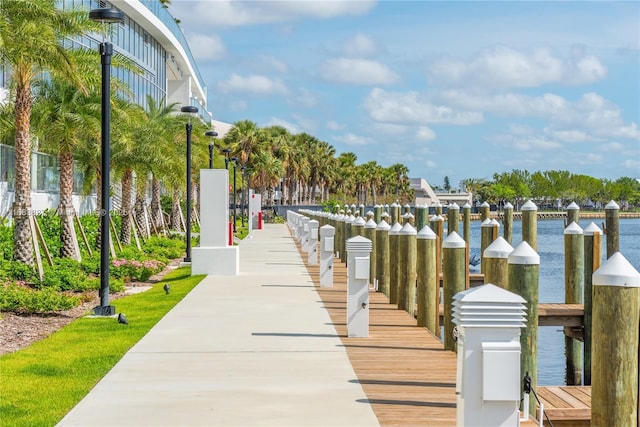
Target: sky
x=456 y=89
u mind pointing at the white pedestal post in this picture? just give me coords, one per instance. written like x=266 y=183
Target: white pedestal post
x=327 y=234
x=312 y=257
x=358 y=252
x=214 y=256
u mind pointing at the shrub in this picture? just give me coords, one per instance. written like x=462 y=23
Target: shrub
x=164 y=248
x=134 y=270
x=65 y=275
x=6 y=243
x=14 y=297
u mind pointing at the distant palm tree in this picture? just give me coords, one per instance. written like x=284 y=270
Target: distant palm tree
x=32 y=35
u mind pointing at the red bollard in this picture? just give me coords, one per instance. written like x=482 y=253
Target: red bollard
x=259 y=220
x=230 y=233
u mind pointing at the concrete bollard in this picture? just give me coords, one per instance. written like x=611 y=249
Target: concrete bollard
x=524 y=273
x=327 y=240
x=616 y=319
x=428 y=294
x=495 y=259
x=573 y=294
x=382 y=257
x=489 y=320
x=453 y=281
x=407 y=284
x=370 y=233
x=312 y=258
x=530 y=224
x=453 y=218
x=485 y=211
x=359 y=250
x=507 y=222
x=612 y=227
x=394 y=262
x=592 y=259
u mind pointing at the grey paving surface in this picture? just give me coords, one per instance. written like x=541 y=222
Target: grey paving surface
x=256 y=349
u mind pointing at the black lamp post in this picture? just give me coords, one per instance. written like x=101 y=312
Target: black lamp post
x=226 y=152
x=242 y=200
x=105 y=16
x=235 y=163
x=189 y=109
x=212 y=134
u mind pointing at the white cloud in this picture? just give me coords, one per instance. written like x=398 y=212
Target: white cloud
x=503 y=67
x=351 y=139
x=425 y=134
x=634 y=165
x=304 y=98
x=570 y=135
x=529 y=143
x=359 y=45
x=612 y=146
x=285 y=124
x=357 y=71
x=333 y=125
x=263 y=63
x=238 y=105
x=409 y=108
x=240 y=13
x=207 y=47
x=260 y=85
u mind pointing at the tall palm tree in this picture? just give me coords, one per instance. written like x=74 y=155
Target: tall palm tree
x=242 y=138
x=32 y=34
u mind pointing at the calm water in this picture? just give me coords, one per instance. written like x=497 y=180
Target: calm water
x=551 y=362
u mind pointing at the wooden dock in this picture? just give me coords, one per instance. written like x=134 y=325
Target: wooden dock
x=409 y=378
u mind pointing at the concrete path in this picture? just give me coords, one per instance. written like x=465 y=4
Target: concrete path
x=256 y=349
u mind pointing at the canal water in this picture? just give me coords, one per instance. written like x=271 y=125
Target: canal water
x=551 y=360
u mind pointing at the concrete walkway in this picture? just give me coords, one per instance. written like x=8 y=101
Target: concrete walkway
x=256 y=349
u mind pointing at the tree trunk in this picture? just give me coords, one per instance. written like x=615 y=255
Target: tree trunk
x=175 y=211
x=66 y=212
x=22 y=244
x=125 y=207
x=156 y=207
x=139 y=212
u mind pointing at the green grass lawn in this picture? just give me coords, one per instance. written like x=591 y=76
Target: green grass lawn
x=40 y=384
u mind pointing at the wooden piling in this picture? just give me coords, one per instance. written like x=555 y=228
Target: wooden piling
x=394 y=211
x=370 y=233
x=495 y=258
x=394 y=267
x=357 y=227
x=453 y=218
x=339 y=238
x=382 y=257
x=507 y=222
x=485 y=211
x=573 y=214
x=427 y=281
x=421 y=214
x=377 y=213
x=407 y=283
x=466 y=223
x=592 y=259
x=486 y=237
x=361 y=210
x=524 y=275
x=616 y=319
x=438 y=209
x=612 y=227
x=573 y=294
x=453 y=281
x=530 y=224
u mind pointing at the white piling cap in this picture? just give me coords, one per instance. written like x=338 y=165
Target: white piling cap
x=466 y=206
x=486 y=223
x=484 y=205
x=437 y=218
x=616 y=271
x=361 y=205
x=591 y=229
x=439 y=204
x=406 y=215
x=454 y=205
x=370 y=224
x=495 y=223
x=408 y=230
x=394 y=205
x=383 y=225
x=573 y=228
x=524 y=254
x=529 y=206
x=507 y=206
x=395 y=229
x=499 y=248
x=426 y=233
x=488 y=306
x=407 y=206
x=359 y=222
x=612 y=205
x=370 y=212
x=385 y=215
x=454 y=241
x=573 y=206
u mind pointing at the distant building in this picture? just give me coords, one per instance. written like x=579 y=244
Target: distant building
x=426 y=196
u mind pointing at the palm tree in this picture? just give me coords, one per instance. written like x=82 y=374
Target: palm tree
x=242 y=138
x=32 y=34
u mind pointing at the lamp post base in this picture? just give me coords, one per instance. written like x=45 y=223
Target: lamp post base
x=104 y=310
x=187 y=259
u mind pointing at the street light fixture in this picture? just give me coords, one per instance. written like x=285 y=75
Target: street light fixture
x=188 y=109
x=212 y=134
x=226 y=152
x=235 y=163
x=105 y=16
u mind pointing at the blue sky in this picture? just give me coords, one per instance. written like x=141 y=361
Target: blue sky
x=457 y=89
